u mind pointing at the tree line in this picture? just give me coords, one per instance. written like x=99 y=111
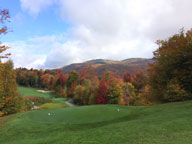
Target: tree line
x=86 y=87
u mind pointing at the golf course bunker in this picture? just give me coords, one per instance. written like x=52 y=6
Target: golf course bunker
x=79 y=115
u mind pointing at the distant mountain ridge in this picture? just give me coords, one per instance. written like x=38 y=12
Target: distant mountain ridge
x=119 y=67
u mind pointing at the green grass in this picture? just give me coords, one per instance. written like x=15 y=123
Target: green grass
x=102 y=124
x=52 y=105
x=59 y=100
x=26 y=92
x=56 y=102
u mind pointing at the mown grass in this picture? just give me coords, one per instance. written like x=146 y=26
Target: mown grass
x=56 y=102
x=102 y=124
x=26 y=92
x=59 y=100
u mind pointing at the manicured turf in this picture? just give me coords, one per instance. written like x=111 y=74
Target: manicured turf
x=25 y=92
x=159 y=124
x=56 y=102
x=59 y=100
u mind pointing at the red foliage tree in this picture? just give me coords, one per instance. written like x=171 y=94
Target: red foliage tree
x=102 y=92
x=108 y=88
x=127 y=77
x=88 y=73
x=139 y=80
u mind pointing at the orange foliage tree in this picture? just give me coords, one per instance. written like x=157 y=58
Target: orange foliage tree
x=10 y=101
x=171 y=74
x=4 y=18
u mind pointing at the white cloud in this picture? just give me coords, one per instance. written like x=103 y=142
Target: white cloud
x=111 y=29
x=35 y=6
x=23 y=55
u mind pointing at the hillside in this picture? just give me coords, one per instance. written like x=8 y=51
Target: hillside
x=119 y=67
x=101 y=124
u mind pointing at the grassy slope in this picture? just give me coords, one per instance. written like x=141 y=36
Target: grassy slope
x=159 y=124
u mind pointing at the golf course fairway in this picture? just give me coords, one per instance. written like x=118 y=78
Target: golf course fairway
x=101 y=124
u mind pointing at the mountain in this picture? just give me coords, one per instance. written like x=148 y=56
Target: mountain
x=119 y=67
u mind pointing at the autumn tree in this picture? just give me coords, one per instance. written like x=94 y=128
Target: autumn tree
x=79 y=94
x=139 y=81
x=10 y=101
x=40 y=73
x=129 y=96
x=59 y=84
x=46 y=80
x=127 y=77
x=171 y=74
x=88 y=73
x=72 y=82
x=86 y=92
x=109 y=90
x=102 y=92
x=4 y=18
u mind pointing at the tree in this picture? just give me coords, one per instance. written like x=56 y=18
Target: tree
x=173 y=62
x=109 y=90
x=79 y=94
x=46 y=79
x=139 y=81
x=114 y=93
x=60 y=91
x=127 y=77
x=4 y=18
x=88 y=73
x=102 y=92
x=129 y=96
x=72 y=82
x=10 y=101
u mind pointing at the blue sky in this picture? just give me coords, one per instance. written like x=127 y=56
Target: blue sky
x=25 y=26
x=54 y=33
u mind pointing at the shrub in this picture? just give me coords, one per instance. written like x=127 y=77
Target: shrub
x=175 y=93
x=35 y=101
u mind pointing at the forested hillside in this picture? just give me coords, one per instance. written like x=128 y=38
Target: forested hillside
x=131 y=65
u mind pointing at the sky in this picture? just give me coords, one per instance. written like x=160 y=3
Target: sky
x=50 y=34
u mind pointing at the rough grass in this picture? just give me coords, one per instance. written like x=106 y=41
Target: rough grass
x=52 y=105
x=26 y=92
x=159 y=124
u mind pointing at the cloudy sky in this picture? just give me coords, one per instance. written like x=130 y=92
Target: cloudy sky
x=54 y=33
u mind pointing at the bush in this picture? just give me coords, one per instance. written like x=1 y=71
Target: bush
x=35 y=101
x=175 y=93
